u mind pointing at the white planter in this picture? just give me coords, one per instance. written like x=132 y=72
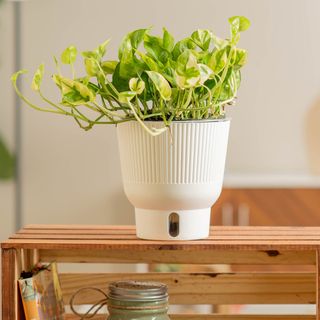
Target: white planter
x=173 y=179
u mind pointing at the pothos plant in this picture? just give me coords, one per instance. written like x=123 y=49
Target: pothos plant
x=154 y=78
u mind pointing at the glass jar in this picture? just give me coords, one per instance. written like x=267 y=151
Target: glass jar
x=131 y=300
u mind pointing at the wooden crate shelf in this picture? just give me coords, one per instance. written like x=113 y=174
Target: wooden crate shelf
x=287 y=248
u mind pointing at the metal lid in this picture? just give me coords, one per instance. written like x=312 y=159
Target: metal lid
x=137 y=291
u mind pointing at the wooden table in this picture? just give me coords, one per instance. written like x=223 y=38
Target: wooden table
x=286 y=247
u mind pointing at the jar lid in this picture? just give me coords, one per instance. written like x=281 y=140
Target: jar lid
x=137 y=291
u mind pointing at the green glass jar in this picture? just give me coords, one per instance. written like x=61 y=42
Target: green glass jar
x=132 y=300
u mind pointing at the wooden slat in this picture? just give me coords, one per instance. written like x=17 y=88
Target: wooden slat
x=318 y=285
x=206 y=288
x=218 y=232
x=178 y=256
x=129 y=232
x=218 y=317
x=9 y=285
x=132 y=228
x=85 y=236
x=281 y=244
x=79 y=226
x=241 y=317
x=74 y=236
x=123 y=237
x=242 y=231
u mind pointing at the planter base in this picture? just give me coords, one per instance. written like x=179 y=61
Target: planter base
x=173 y=225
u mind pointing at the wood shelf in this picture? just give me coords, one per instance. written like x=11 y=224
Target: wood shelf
x=241 y=246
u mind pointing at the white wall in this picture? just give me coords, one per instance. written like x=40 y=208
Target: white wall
x=74 y=176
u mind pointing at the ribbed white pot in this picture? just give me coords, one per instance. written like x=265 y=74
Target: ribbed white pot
x=173 y=179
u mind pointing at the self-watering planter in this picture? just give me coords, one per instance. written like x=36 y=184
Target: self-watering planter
x=174 y=178
x=168 y=99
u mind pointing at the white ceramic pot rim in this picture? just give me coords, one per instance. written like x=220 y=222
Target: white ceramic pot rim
x=190 y=121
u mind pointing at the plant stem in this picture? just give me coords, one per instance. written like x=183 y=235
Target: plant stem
x=29 y=103
x=58 y=107
x=153 y=132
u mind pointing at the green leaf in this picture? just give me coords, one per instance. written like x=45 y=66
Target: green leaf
x=210 y=83
x=219 y=43
x=125 y=49
x=37 y=78
x=168 y=73
x=72 y=98
x=137 y=36
x=132 y=68
x=240 y=58
x=155 y=49
x=187 y=64
x=74 y=92
x=161 y=84
x=126 y=96
x=205 y=73
x=101 y=49
x=109 y=66
x=97 y=53
x=85 y=92
x=90 y=54
x=130 y=43
x=202 y=56
x=136 y=85
x=6 y=162
x=185 y=82
x=16 y=75
x=187 y=60
x=187 y=73
x=149 y=88
x=69 y=55
x=181 y=81
x=229 y=86
x=91 y=66
x=232 y=84
x=129 y=65
x=218 y=60
x=150 y=62
x=168 y=40
x=56 y=78
x=237 y=25
x=64 y=84
x=202 y=38
x=181 y=46
x=120 y=83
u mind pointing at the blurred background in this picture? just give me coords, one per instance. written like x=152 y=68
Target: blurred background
x=65 y=175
